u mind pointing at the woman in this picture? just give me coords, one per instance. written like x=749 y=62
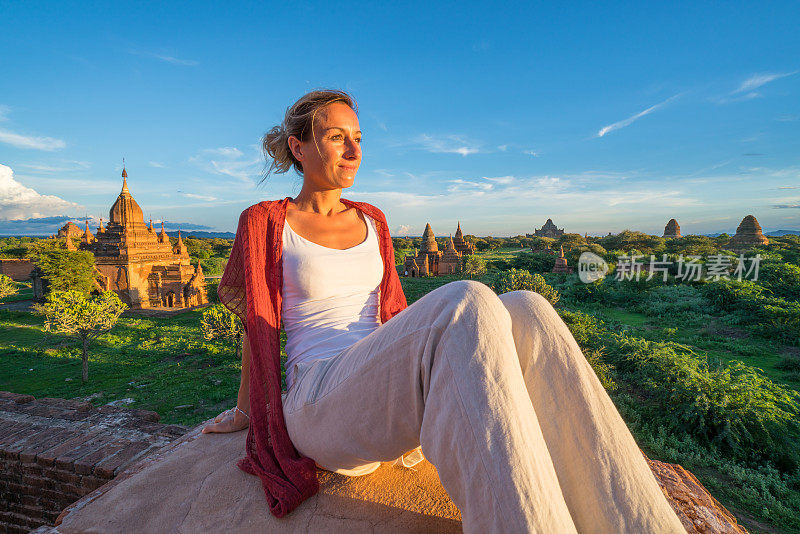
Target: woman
x=494 y=389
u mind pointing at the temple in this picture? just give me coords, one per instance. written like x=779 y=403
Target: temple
x=430 y=261
x=460 y=244
x=140 y=265
x=549 y=230
x=748 y=235
x=672 y=230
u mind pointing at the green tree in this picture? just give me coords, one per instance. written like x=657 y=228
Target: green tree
x=7 y=286
x=82 y=316
x=219 y=322
x=474 y=266
x=66 y=269
x=516 y=279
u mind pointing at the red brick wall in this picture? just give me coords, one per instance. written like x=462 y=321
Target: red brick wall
x=18 y=270
x=55 y=451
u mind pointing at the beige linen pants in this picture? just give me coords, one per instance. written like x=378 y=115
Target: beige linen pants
x=503 y=403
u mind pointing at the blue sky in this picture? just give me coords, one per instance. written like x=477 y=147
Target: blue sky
x=603 y=117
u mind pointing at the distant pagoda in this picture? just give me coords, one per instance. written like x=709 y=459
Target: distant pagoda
x=549 y=230
x=429 y=260
x=460 y=244
x=561 y=263
x=748 y=235
x=672 y=230
x=139 y=265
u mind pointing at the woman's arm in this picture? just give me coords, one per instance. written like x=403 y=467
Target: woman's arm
x=234 y=420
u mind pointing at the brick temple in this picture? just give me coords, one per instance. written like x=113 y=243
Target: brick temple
x=140 y=264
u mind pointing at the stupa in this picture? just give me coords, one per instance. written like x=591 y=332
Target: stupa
x=425 y=262
x=450 y=262
x=460 y=244
x=748 y=235
x=672 y=230
x=561 y=263
x=139 y=265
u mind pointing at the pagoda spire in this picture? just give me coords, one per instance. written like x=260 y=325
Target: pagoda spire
x=124 y=178
x=162 y=237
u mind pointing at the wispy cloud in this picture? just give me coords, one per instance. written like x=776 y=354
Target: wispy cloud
x=195 y=196
x=786 y=206
x=630 y=120
x=531 y=153
x=757 y=80
x=157 y=165
x=747 y=89
x=4 y=111
x=229 y=161
x=167 y=58
x=66 y=166
x=25 y=141
x=448 y=144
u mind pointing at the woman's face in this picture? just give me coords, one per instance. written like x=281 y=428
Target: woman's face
x=331 y=156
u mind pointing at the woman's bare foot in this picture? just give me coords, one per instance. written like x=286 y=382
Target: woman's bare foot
x=228 y=421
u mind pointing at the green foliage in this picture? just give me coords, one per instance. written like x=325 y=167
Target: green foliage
x=7 y=286
x=734 y=406
x=474 y=266
x=634 y=241
x=218 y=322
x=66 y=269
x=81 y=316
x=515 y=279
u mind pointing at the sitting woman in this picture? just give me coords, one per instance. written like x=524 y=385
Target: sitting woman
x=495 y=390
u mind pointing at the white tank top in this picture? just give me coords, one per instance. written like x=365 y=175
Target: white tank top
x=330 y=296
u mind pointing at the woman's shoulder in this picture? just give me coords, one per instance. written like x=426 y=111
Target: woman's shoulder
x=263 y=210
x=373 y=211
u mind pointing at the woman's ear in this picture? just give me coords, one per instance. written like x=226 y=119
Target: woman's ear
x=296 y=147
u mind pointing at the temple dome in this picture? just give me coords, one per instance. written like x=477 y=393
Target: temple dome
x=125 y=210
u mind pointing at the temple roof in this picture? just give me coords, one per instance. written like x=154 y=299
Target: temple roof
x=125 y=210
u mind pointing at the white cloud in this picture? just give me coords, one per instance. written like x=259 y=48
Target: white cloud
x=206 y=198
x=20 y=202
x=230 y=161
x=502 y=148
x=500 y=179
x=448 y=144
x=157 y=165
x=36 y=143
x=4 y=111
x=757 y=80
x=531 y=153
x=63 y=167
x=403 y=229
x=630 y=120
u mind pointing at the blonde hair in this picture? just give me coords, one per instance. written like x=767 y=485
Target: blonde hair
x=298 y=122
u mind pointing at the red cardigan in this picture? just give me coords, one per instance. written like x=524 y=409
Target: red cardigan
x=251 y=288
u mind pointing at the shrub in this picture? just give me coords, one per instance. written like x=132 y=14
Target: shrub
x=86 y=318
x=7 y=286
x=218 y=322
x=514 y=280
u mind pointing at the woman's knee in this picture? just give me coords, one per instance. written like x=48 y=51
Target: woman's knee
x=469 y=297
x=523 y=305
